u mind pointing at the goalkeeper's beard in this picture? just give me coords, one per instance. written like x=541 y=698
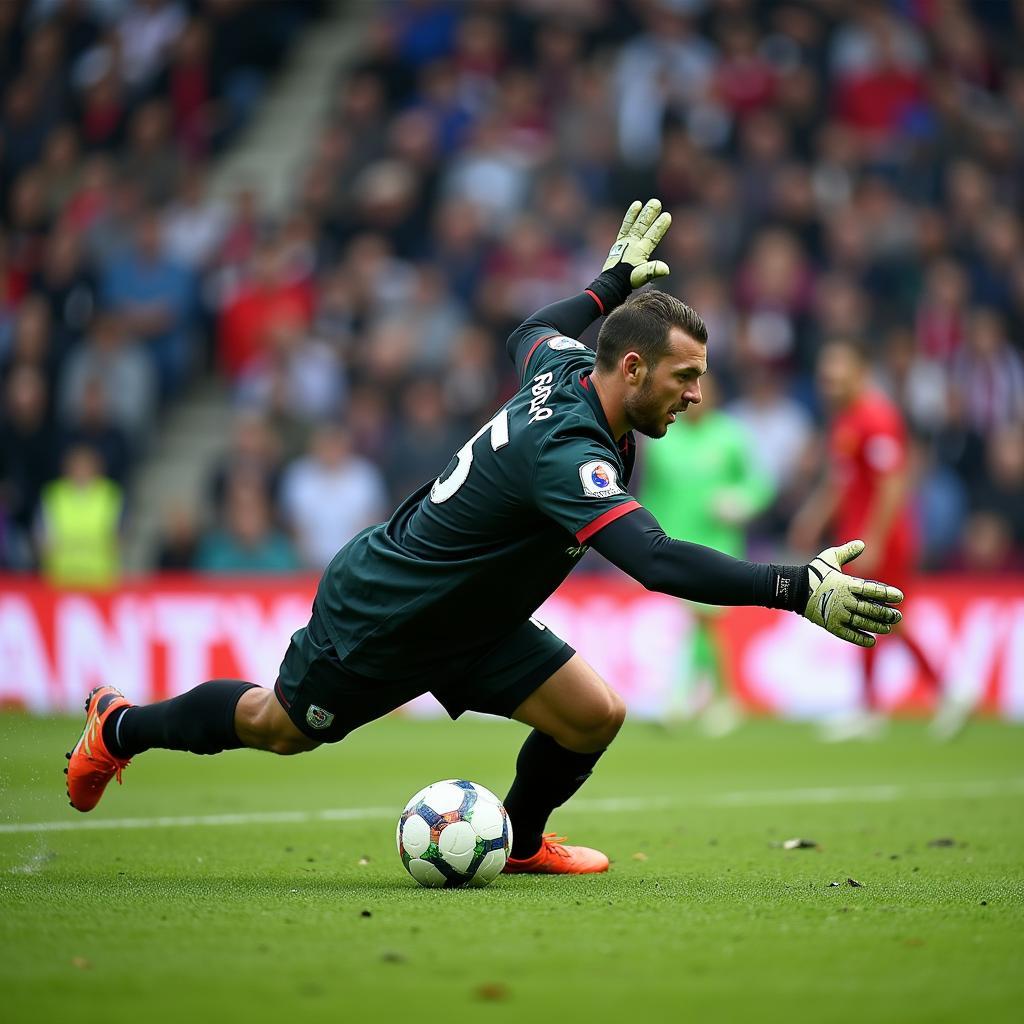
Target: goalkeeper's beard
x=644 y=412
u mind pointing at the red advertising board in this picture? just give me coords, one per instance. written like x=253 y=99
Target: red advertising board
x=161 y=636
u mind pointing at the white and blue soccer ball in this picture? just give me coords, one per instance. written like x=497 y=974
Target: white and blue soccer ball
x=454 y=833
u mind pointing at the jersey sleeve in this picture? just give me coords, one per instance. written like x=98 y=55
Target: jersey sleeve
x=554 y=354
x=577 y=483
x=528 y=345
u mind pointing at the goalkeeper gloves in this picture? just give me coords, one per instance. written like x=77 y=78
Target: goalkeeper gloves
x=641 y=231
x=846 y=606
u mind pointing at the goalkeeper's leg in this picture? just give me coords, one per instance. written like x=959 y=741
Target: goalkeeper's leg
x=218 y=715
x=575 y=715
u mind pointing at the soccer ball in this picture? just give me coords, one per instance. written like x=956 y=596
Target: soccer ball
x=454 y=833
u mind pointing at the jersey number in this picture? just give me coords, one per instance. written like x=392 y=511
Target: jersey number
x=498 y=429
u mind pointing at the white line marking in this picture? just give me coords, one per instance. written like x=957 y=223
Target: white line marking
x=741 y=798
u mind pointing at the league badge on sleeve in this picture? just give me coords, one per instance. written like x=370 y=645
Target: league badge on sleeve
x=561 y=344
x=599 y=479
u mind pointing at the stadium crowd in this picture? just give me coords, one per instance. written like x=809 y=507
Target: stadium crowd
x=843 y=168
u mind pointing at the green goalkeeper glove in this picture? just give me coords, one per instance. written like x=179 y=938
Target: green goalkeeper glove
x=846 y=606
x=641 y=231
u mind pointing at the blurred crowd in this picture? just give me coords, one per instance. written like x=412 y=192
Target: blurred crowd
x=111 y=255
x=842 y=168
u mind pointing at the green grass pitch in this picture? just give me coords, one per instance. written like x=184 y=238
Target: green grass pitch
x=296 y=905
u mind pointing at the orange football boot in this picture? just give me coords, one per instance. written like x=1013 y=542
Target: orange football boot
x=555 y=858
x=90 y=765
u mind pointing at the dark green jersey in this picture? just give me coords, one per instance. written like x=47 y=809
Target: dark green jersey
x=467 y=558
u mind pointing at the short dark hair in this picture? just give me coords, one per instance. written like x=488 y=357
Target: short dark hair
x=641 y=324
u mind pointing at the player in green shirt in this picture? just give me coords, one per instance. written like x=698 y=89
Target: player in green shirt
x=701 y=482
x=440 y=597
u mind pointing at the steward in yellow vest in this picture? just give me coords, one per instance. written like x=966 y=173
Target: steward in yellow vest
x=81 y=513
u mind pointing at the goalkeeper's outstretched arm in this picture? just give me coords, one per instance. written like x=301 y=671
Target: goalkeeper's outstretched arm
x=627 y=267
x=846 y=606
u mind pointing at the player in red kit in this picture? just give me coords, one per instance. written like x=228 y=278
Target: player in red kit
x=865 y=494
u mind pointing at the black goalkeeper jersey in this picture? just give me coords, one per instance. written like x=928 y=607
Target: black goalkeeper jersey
x=469 y=557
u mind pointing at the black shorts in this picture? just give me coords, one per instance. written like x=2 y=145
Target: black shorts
x=326 y=701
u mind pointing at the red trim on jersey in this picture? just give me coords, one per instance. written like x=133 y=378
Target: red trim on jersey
x=588 y=531
x=585 y=381
x=597 y=299
x=279 y=693
x=536 y=345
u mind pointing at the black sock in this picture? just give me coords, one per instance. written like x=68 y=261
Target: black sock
x=201 y=721
x=547 y=774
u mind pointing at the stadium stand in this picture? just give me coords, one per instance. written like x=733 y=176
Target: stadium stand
x=845 y=169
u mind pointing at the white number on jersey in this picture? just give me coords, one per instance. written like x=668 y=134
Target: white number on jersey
x=498 y=429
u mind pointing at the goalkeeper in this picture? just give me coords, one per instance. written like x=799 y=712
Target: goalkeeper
x=440 y=598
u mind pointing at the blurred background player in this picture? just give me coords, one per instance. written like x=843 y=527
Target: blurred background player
x=701 y=482
x=865 y=493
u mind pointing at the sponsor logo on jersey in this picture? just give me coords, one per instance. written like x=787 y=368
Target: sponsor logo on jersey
x=599 y=479
x=318 y=718
x=561 y=344
x=577 y=552
x=541 y=391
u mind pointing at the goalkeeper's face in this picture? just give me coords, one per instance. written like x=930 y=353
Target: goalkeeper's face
x=659 y=393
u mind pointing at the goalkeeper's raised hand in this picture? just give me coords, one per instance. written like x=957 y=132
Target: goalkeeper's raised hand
x=642 y=229
x=848 y=607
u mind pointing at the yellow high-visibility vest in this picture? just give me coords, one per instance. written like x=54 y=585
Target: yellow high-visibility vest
x=82 y=533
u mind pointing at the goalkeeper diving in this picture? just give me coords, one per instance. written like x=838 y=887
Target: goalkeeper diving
x=441 y=597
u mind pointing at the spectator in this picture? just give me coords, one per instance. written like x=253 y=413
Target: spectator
x=782 y=427
x=147 y=33
x=155 y=299
x=60 y=168
x=27 y=452
x=179 y=540
x=424 y=442
x=987 y=547
x=269 y=295
x=247 y=542
x=297 y=377
x=109 y=356
x=1001 y=495
x=253 y=460
x=189 y=83
x=32 y=342
x=989 y=374
x=329 y=495
x=667 y=64
x=94 y=427
x=151 y=157
x=79 y=526
x=193 y=225
x=69 y=287
x=470 y=381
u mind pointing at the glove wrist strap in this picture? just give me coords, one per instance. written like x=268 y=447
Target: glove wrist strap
x=612 y=286
x=789 y=586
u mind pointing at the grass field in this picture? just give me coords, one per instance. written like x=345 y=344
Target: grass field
x=154 y=909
